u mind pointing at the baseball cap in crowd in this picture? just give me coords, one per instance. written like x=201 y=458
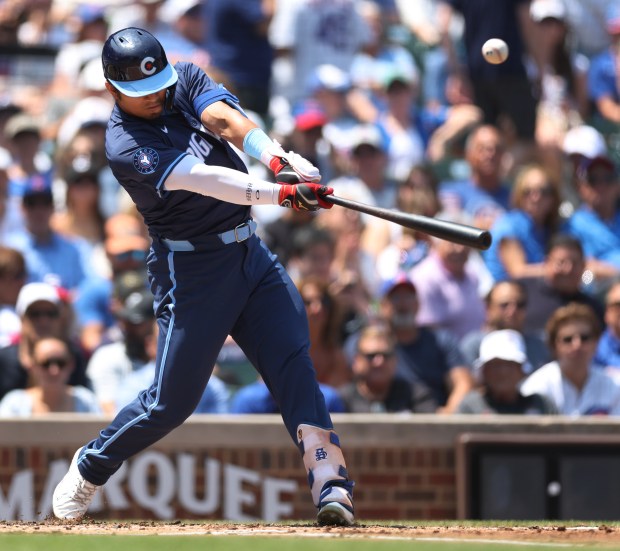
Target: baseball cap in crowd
x=329 y=77
x=21 y=123
x=504 y=344
x=612 y=18
x=367 y=134
x=89 y=13
x=309 y=114
x=172 y=10
x=400 y=280
x=127 y=282
x=547 y=9
x=584 y=140
x=138 y=307
x=37 y=191
x=394 y=76
x=35 y=292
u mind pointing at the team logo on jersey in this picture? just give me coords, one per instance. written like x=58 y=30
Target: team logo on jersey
x=148 y=66
x=145 y=160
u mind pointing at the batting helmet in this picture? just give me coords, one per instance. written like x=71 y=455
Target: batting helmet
x=135 y=63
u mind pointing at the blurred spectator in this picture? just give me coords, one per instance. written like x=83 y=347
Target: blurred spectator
x=111 y=363
x=596 y=223
x=367 y=181
x=560 y=283
x=425 y=355
x=50 y=256
x=50 y=369
x=400 y=124
x=237 y=40
x=256 y=398
x=561 y=75
x=310 y=33
x=42 y=313
x=126 y=247
x=506 y=304
x=499 y=370
x=448 y=288
x=82 y=218
x=521 y=235
x=12 y=279
x=587 y=19
x=325 y=320
x=608 y=350
x=395 y=247
x=312 y=253
x=483 y=196
x=214 y=399
x=604 y=73
x=573 y=382
x=30 y=165
x=89 y=28
x=376 y=386
x=350 y=259
x=42 y=24
x=501 y=91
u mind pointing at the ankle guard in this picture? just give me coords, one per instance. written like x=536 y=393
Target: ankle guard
x=324 y=462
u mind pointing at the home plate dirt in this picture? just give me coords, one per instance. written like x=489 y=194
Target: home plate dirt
x=599 y=534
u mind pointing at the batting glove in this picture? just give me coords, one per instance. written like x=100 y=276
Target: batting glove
x=304 y=196
x=290 y=167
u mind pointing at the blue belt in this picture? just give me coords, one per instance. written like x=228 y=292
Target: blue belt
x=236 y=235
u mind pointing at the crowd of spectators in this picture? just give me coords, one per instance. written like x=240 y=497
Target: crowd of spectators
x=394 y=103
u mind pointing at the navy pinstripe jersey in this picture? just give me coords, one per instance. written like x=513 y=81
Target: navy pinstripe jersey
x=142 y=153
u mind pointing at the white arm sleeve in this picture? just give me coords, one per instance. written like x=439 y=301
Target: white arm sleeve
x=226 y=184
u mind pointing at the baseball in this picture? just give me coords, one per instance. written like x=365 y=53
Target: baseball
x=495 y=51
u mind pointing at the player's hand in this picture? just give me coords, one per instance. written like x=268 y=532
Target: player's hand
x=304 y=196
x=291 y=167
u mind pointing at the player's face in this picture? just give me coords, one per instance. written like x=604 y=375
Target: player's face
x=145 y=107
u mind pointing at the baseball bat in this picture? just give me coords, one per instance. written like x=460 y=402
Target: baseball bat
x=450 y=231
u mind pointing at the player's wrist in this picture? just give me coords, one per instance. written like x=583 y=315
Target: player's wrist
x=260 y=146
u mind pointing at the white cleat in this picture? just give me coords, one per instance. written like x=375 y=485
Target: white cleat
x=73 y=494
x=335 y=508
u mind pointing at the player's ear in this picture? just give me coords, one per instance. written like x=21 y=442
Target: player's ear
x=110 y=88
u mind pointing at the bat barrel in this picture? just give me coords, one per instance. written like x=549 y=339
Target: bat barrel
x=451 y=231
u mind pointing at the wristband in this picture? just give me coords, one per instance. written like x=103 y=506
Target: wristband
x=256 y=143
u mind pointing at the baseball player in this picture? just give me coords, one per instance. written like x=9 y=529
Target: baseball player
x=168 y=144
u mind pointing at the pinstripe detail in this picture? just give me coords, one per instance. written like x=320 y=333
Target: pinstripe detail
x=155 y=403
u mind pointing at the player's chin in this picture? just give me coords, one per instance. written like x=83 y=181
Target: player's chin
x=152 y=112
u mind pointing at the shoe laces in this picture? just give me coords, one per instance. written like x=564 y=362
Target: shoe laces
x=83 y=491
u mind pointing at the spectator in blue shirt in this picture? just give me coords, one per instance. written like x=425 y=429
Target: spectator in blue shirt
x=521 y=235
x=608 y=350
x=603 y=83
x=596 y=223
x=50 y=257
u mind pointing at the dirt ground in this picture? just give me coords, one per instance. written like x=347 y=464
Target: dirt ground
x=587 y=534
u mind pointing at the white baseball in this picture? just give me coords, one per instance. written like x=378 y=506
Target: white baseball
x=495 y=51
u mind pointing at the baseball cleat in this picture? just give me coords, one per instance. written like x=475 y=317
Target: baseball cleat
x=73 y=494
x=335 y=507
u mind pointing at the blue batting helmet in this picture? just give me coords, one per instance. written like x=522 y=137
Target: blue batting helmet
x=135 y=63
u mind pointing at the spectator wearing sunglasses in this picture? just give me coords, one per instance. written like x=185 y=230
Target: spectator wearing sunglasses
x=573 y=382
x=50 y=369
x=522 y=234
x=377 y=387
x=42 y=313
x=596 y=223
x=505 y=306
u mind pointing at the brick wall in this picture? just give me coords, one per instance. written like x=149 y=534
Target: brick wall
x=245 y=468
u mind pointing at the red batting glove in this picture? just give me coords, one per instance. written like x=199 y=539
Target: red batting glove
x=284 y=172
x=304 y=196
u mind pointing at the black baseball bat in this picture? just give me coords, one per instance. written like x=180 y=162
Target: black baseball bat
x=450 y=231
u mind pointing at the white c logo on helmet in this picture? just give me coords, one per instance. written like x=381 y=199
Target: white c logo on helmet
x=148 y=66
